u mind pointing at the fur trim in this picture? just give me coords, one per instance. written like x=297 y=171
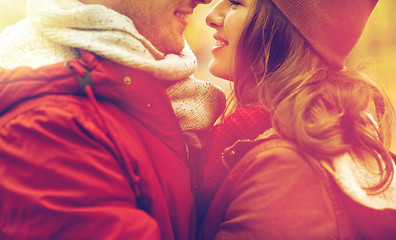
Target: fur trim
x=352 y=176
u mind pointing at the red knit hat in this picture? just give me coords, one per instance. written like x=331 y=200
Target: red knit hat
x=332 y=27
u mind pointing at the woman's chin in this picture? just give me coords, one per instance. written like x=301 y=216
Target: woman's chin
x=220 y=73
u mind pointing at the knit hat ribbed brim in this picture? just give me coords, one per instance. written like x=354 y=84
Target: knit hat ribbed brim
x=332 y=27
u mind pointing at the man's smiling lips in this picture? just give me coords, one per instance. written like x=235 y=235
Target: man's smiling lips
x=182 y=16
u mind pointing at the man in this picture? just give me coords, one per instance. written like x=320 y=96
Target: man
x=96 y=106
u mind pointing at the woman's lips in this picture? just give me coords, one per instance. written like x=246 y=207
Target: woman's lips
x=219 y=44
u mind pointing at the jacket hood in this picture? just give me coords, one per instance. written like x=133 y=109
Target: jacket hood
x=108 y=80
x=352 y=176
x=134 y=91
x=25 y=82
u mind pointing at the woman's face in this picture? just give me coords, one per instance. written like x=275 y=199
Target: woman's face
x=228 y=18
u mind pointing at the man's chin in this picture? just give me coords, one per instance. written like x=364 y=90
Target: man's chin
x=175 y=47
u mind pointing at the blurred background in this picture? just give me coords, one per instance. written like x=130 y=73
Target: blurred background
x=376 y=46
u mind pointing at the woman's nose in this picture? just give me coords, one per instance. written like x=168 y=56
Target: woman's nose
x=214 y=18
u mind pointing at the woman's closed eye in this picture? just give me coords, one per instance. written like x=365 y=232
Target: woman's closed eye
x=234 y=2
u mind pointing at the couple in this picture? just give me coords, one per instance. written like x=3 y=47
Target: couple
x=105 y=135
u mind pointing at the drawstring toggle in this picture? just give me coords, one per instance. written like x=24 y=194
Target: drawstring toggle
x=86 y=80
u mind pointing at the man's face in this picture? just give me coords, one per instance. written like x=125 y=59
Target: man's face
x=162 y=22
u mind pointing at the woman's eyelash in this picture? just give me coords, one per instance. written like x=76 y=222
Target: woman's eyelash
x=235 y=2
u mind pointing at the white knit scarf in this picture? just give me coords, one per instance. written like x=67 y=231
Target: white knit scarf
x=106 y=33
x=55 y=29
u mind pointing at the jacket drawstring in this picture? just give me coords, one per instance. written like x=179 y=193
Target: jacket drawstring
x=86 y=83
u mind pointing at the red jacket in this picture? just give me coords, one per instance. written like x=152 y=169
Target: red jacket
x=272 y=192
x=105 y=164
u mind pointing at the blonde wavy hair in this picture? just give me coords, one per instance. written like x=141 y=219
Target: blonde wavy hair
x=325 y=111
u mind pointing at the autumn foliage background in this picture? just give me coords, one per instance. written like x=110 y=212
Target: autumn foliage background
x=377 y=46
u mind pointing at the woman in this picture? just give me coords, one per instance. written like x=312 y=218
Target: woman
x=305 y=154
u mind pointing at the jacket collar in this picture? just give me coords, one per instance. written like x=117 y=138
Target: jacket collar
x=235 y=152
